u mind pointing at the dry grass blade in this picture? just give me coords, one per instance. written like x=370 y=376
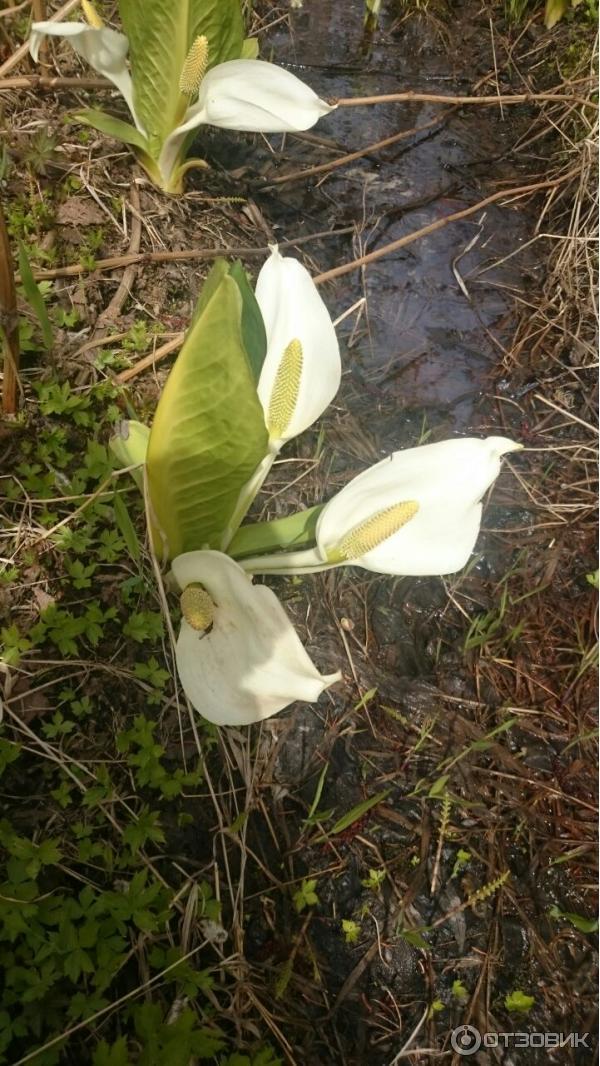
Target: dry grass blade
x=9 y=327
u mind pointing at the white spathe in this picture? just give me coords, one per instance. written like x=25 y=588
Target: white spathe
x=104 y=49
x=256 y=97
x=292 y=309
x=251 y=663
x=446 y=481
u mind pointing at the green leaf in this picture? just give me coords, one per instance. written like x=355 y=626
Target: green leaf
x=415 y=939
x=358 y=811
x=584 y=925
x=34 y=297
x=519 y=1002
x=160 y=35
x=208 y=435
x=129 y=446
x=111 y=1054
x=555 y=9
x=126 y=527
x=218 y=271
x=113 y=127
x=295 y=531
x=459 y=991
x=438 y=786
x=253 y=327
x=250 y=48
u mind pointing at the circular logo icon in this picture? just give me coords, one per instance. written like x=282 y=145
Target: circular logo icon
x=466 y=1040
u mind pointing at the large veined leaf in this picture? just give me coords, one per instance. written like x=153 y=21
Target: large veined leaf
x=208 y=434
x=253 y=326
x=160 y=34
x=218 y=271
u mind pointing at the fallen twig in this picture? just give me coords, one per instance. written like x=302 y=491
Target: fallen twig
x=23 y=49
x=44 y=81
x=346 y=268
x=321 y=168
x=388 y=249
x=113 y=310
x=410 y=97
x=181 y=256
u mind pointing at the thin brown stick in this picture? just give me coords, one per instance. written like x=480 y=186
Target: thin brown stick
x=173 y=345
x=39 y=13
x=42 y=81
x=436 y=98
x=8 y=12
x=388 y=249
x=341 y=161
x=181 y=256
x=151 y=359
x=128 y=277
x=23 y=49
x=9 y=328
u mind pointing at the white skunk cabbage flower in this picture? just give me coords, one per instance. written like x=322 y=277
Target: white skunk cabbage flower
x=302 y=369
x=247 y=95
x=104 y=49
x=416 y=513
x=239 y=657
x=239 y=94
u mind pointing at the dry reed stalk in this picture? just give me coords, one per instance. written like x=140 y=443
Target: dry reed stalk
x=8 y=323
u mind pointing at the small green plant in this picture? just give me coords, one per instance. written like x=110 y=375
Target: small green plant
x=351 y=930
x=461 y=861
x=459 y=992
x=306 y=896
x=518 y=1002
x=375 y=880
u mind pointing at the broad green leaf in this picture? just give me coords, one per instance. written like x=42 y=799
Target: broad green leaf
x=218 y=271
x=208 y=435
x=129 y=446
x=160 y=35
x=253 y=326
x=555 y=9
x=296 y=531
x=250 y=48
x=34 y=297
x=113 y=127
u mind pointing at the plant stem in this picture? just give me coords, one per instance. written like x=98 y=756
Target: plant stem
x=247 y=495
x=293 y=531
x=306 y=562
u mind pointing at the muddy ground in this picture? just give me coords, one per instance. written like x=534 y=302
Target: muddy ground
x=468 y=702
